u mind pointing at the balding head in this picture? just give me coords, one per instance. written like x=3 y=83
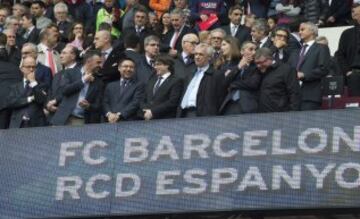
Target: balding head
x=102 y=40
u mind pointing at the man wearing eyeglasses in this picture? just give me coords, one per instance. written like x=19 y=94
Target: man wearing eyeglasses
x=27 y=98
x=184 y=63
x=279 y=38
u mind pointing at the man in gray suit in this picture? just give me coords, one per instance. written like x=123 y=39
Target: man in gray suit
x=312 y=64
x=82 y=89
x=122 y=98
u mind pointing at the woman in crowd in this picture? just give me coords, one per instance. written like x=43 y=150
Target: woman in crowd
x=230 y=54
x=77 y=37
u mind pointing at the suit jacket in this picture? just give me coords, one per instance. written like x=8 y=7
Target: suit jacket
x=165 y=45
x=164 y=102
x=144 y=71
x=33 y=37
x=142 y=35
x=133 y=55
x=43 y=75
x=242 y=33
x=109 y=71
x=72 y=86
x=315 y=66
x=126 y=101
x=210 y=94
x=246 y=81
x=18 y=102
x=42 y=56
x=184 y=70
x=64 y=29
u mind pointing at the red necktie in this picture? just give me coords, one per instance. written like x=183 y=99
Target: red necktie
x=175 y=39
x=51 y=61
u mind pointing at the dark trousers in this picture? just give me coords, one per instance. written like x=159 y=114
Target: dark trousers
x=310 y=105
x=353 y=81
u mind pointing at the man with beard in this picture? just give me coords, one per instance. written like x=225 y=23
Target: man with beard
x=82 y=91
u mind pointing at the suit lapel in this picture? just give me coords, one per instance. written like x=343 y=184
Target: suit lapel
x=309 y=53
x=163 y=86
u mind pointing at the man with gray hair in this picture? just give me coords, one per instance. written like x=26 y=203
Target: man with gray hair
x=279 y=89
x=62 y=21
x=312 y=65
x=173 y=38
x=204 y=89
x=184 y=63
x=145 y=68
x=216 y=37
x=42 y=73
x=260 y=33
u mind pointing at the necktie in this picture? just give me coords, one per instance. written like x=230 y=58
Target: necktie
x=152 y=63
x=301 y=57
x=157 y=84
x=175 y=38
x=233 y=30
x=51 y=61
x=27 y=88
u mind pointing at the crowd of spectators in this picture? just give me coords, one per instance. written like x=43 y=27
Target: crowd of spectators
x=74 y=62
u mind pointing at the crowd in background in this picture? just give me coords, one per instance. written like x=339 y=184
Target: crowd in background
x=74 y=62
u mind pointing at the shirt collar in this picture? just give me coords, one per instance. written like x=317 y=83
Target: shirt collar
x=310 y=43
x=108 y=51
x=71 y=66
x=165 y=76
x=204 y=69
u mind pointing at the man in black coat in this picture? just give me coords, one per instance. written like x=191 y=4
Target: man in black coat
x=82 y=93
x=235 y=29
x=348 y=53
x=205 y=89
x=338 y=13
x=279 y=90
x=27 y=98
x=122 y=98
x=163 y=92
x=9 y=75
x=312 y=65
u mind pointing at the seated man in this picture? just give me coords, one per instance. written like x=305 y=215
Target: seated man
x=122 y=97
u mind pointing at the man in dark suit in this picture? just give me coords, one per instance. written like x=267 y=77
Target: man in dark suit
x=312 y=64
x=260 y=33
x=163 y=92
x=172 y=40
x=68 y=59
x=140 y=28
x=110 y=56
x=62 y=21
x=204 y=90
x=81 y=102
x=42 y=73
x=9 y=75
x=145 y=68
x=279 y=89
x=122 y=98
x=184 y=63
x=338 y=13
x=132 y=47
x=244 y=83
x=30 y=32
x=235 y=29
x=27 y=98
x=280 y=46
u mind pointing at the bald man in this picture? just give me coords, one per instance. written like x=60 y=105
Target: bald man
x=26 y=98
x=110 y=56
